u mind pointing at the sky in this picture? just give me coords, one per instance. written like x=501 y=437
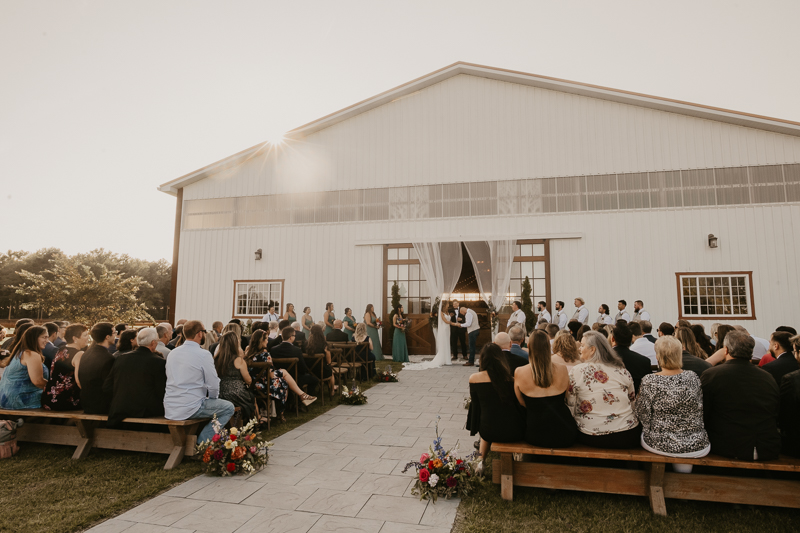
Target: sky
x=102 y=101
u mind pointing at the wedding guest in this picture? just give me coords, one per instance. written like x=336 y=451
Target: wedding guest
x=399 y=345
x=670 y=408
x=494 y=412
x=235 y=378
x=690 y=361
x=740 y=404
x=789 y=419
x=565 y=350
x=349 y=323
x=371 y=320
x=328 y=318
x=637 y=365
x=137 y=381
x=62 y=392
x=290 y=314
x=307 y=321
x=337 y=335
x=287 y=350
x=364 y=351
x=193 y=384
x=94 y=367
x=601 y=396
x=541 y=387
x=25 y=376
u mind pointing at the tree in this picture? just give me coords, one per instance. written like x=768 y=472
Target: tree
x=527 y=305
x=80 y=293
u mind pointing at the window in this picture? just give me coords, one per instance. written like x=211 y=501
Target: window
x=530 y=260
x=402 y=266
x=716 y=295
x=252 y=298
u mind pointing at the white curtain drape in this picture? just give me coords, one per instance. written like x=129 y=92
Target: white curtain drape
x=441 y=263
x=492 y=261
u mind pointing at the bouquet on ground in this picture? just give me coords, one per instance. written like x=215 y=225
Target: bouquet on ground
x=352 y=396
x=234 y=451
x=443 y=472
x=387 y=376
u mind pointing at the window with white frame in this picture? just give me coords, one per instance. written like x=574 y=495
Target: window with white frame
x=712 y=295
x=252 y=298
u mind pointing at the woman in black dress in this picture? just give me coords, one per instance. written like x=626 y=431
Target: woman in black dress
x=494 y=412
x=234 y=377
x=541 y=388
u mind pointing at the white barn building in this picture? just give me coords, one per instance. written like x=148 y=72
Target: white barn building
x=608 y=194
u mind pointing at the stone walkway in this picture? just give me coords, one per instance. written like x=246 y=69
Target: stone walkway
x=340 y=472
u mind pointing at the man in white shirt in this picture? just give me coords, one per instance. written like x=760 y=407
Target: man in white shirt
x=641 y=345
x=560 y=318
x=640 y=315
x=581 y=313
x=544 y=314
x=762 y=345
x=517 y=317
x=623 y=314
x=471 y=326
x=271 y=315
x=604 y=318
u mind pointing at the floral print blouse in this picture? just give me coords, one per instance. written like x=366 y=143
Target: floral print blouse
x=600 y=398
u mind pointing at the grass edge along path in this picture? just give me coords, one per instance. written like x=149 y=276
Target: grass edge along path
x=541 y=510
x=45 y=491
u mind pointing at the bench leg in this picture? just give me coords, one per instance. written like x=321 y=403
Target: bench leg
x=179 y=443
x=655 y=489
x=506 y=476
x=85 y=429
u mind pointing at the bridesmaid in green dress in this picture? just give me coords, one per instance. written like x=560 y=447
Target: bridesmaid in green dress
x=290 y=315
x=371 y=320
x=399 y=346
x=328 y=318
x=349 y=323
x=307 y=321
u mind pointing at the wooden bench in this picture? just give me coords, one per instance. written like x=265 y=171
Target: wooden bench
x=85 y=434
x=652 y=481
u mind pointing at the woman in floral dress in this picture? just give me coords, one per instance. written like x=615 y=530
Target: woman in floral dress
x=601 y=396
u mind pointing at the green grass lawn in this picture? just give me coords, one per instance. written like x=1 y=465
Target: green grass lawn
x=45 y=491
x=540 y=510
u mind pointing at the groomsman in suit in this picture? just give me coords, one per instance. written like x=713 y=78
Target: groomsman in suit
x=640 y=314
x=560 y=317
x=623 y=314
x=544 y=314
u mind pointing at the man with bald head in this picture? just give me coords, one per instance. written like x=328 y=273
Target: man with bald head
x=503 y=340
x=336 y=334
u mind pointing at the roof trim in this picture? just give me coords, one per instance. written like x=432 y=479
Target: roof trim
x=719 y=114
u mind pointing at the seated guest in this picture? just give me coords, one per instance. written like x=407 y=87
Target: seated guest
x=565 y=350
x=703 y=341
x=665 y=329
x=601 y=395
x=780 y=347
x=670 y=408
x=287 y=350
x=517 y=335
x=647 y=329
x=364 y=352
x=637 y=365
x=494 y=411
x=317 y=345
x=50 y=349
x=336 y=334
x=641 y=345
x=137 y=381
x=789 y=419
x=503 y=340
x=126 y=343
x=279 y=382
x=25 y=376
x=740 y=404
x=62 y=392
x=689 y=360
x=274 y=337
x=234 y=376
x=192 y=383
x=541 y=387
x=94 y=367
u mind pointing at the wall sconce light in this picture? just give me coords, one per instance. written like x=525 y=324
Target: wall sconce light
x=712 y=241
x=258 y=254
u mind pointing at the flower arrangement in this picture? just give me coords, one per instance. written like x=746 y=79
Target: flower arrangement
x=234 y=451
x=443 y=473
x=387 y=376
x=352 y=396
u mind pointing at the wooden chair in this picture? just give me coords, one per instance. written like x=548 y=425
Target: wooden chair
x=289 y=364
x=262 y=376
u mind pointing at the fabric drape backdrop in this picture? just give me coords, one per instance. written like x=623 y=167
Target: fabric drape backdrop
x=492 y=261
x=441 y=263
